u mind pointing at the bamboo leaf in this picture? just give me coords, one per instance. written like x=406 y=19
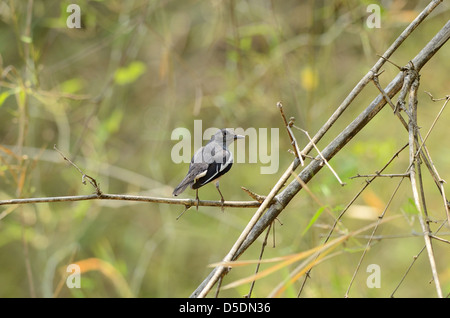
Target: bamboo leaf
x=314 y=219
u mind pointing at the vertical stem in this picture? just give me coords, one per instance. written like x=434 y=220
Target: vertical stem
x=413 y=166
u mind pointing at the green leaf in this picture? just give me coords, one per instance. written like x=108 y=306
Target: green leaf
x=130 y=73
x=26 y=39
x=410 y=207
x=314 y=219
x=4 y=96
x=72 y=85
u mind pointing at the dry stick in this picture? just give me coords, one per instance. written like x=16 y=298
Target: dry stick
x=125 y=197
x=92 y=181
x=321 y=156
x=294 y=143
x=377 y=174
x=334 y=147
x=414 y=166
x=388 y=100
x=415 y=257
x=440 y=239
x=436 y=119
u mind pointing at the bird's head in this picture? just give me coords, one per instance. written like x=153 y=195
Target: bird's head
x=225 y=137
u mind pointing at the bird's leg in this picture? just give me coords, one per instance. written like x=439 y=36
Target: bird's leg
x=221 y=196
x=196 y=197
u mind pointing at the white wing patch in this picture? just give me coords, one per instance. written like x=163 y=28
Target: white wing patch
x=230 y=160
x=201 y=174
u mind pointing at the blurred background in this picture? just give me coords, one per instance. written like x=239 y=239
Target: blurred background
x=110 y=93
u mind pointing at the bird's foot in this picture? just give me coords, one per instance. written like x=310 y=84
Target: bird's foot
x=198 y=199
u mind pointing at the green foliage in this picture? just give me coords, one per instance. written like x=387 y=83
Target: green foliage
x=130 y=73
x=314 y=219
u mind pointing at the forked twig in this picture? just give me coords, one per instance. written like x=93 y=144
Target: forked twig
x=288 y=126
x=325 y=161
x=84 y=176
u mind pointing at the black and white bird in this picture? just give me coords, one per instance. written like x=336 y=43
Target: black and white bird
x=209 y=163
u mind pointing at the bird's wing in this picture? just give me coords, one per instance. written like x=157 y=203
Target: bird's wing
x=208 y=163
x=196 y=171
x=219 y=164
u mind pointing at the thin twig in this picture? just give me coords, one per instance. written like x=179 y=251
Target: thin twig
x=377 y=174
x=252 y=285
x=415 y=257
x=288 y=125
x=388 y=100
x=389 y=61
x=440 y=239
x=84 y=176
x=321 y=156
x=253 y=195
x=446 y=98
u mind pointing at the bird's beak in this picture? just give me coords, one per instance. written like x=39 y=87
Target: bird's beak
x=239 y=137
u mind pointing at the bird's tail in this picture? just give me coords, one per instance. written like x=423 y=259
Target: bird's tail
x=182 y=186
